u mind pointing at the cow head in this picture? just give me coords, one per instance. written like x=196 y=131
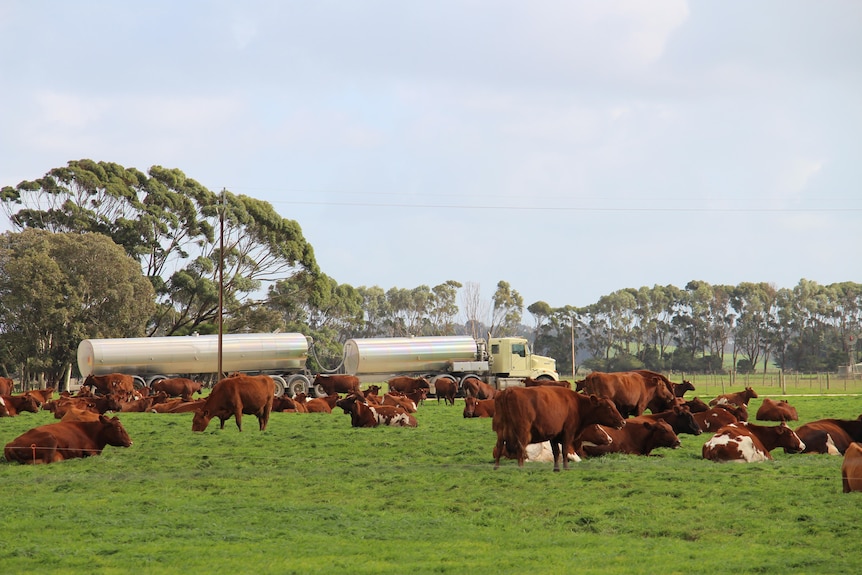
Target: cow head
x=788 y=439
x=604 y=412
x=685 y=420
x=470 y=406
x=115 y=433
x=662 y=434
x=201 y=420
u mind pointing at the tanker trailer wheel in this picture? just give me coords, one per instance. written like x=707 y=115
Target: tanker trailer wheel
x=280 y=385
x=297 y=384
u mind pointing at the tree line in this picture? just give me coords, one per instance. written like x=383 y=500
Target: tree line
x=100 y=250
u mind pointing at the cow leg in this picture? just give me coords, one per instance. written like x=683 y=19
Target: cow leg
x=238 y=416
x=555 y=450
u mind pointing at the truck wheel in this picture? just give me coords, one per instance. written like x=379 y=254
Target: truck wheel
x=296 y=384
x=319 y=391
x=280 y=385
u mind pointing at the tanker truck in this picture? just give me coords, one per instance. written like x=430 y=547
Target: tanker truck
x=502 y=362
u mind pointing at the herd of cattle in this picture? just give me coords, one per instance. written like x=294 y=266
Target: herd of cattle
x=544 y=420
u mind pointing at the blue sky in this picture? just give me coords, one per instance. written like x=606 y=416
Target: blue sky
x=569 y=148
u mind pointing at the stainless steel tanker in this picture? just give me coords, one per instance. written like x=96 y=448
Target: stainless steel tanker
x=282 y=355
x=501 y=362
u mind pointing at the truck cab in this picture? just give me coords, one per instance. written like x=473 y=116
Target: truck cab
x=512 y=357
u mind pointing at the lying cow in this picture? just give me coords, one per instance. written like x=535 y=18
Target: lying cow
x=636 y=438
x=235 y=396
x=771 y=410
x=832 y=436
x=743 y=442
x=364 y=415
x=738 y=398
x=66 y=440
x=478 y=407
x=178 y=387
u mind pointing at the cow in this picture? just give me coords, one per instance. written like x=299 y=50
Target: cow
x=99 y=404
x=372 y=389
x=401 y=400
x=6 y=386
x=680 y=418
x=632 y=392
x=524 y=415
x=478 y=407
x=178 y=387
x=406 y=384
x=80 y=414
x=636 y=438
x=851 y=468
x=4 y=412
x=738 y=398
x=542 y=453
x=137 y=405
x=743 y=442
x=714 y=418
x=446 y=388
x=696 y=405
x=364 y=415
x=832 y=436
x=235 y=396
x=331 y=384
x=530 y=382
x=15 y=404
x=679 y=389
x=771 y=410
x=740 y=412
x=119 y=384
x=43 y=395
x=66 y=440
x=474 y=387
x=321 y=404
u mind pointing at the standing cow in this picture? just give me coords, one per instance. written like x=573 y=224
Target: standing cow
x=524 y=415
x=631 y=391
x=234 y=396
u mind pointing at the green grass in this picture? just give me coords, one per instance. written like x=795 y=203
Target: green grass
x=313 y=495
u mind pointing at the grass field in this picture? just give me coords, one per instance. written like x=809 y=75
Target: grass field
x=313 y=495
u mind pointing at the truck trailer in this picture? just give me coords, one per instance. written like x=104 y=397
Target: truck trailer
x=501 y=362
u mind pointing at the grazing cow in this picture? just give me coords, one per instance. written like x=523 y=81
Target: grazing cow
x=636 y=438
x=771 y=410
x=234 y=396
x=15 y=404
x=739 y=398
x=631 y=391
x=832 y=436
x=332 y=384
x=67 y=440
x=478 y=407
x=406 y=384
x=178 y=387
x=364 y=415
x=119 y=384
x=680 y=418
x=743 y=442
x=6 y=386
x=446 y=388
x=530 y=382
x=524 y=415
x=477 y=388
x=714 y=418
x=851 y=469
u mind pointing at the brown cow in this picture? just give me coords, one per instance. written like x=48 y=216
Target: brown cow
x=636 y=438
x=771 y=410
x=680 y=418
x=234 y=396
x=4 y=412
x=714 y=418
x=6 y=386
x=66 y=440
x=400 y=399
x=321 y=404
x=364 y=415
x=851 y=469
x=15 y=404
x=738 y=398
x=373 y=390
x=178 y=387
x=43 y=395
x=832 y=436
x=446 y=388
x=118 y=384
x=632 y=392
x=99 y=404
x=696 y=405
x=336 y=383
x=137 y=405
x=406 y=384
x=524 y=415
x=80 y=414
x=477 y=388
x=478 y=407
x=530 y=382
x=743 y=442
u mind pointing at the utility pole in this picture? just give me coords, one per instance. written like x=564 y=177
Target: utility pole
x=220 y=281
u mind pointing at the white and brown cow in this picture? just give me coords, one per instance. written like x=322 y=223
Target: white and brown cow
x=744 y=442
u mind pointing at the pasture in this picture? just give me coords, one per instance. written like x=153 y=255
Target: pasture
x=313 y=495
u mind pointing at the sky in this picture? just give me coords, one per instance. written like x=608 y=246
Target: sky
x=570 y=148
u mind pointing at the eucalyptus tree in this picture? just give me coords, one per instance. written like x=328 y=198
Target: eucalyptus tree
x=376 y=311
x=57 y=289
x=506 y=311
x=474 y=308
x=541 y=313
x=443 y=308
x=172 y=226
x=755 y=306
